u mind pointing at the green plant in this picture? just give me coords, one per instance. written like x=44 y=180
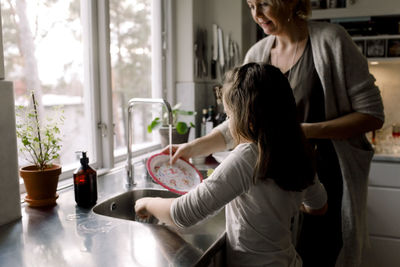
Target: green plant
x=181 y=127
x=40 y=141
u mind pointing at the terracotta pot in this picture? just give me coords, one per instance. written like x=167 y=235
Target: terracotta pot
x=176 y=137
x=41 y=186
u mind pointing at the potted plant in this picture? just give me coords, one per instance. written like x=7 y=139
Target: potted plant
x=40 y=145
x=180 y=129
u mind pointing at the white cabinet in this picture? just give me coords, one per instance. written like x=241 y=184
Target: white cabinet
x=360 y=8
x=383 y=215
x=384 y=252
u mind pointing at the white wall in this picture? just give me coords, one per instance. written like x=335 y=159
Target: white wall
x=387 y=75
x=10 y=207
x=233 y=17
x=10 y=203
x=1 y=52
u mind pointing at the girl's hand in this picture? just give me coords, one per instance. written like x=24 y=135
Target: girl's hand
x=141 y=208
x=184 y=151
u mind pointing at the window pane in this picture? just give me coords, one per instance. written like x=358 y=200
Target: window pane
x=131 y=52
x=43 y=51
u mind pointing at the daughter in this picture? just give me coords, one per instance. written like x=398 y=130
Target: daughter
x=264 y=181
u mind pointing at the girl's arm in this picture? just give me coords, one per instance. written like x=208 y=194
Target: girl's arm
x=347 y=126
x=202 y=146
x=155 y=206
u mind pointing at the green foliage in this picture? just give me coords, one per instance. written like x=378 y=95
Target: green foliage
x=181 y=127
x=40 y=141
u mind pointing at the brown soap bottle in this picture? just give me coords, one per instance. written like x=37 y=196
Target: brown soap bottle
x=85 y=184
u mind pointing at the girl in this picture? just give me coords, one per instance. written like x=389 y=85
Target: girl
x=265 y=179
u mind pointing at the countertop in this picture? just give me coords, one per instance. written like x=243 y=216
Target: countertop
x=386 y=158
x=67 y=235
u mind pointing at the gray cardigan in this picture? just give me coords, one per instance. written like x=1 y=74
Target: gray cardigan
x=348 y=87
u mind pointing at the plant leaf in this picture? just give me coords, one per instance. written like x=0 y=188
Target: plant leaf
x=154 y=124
x=181 y=127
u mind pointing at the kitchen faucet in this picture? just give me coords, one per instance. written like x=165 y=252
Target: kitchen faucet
x=129 y=168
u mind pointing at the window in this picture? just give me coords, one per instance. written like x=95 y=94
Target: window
x=131 y=46
x=77 y=53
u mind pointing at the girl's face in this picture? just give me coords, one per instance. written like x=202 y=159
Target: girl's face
x=267 y=16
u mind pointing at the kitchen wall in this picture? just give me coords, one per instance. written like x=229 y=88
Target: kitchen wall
x=387 y=75
x=10 y=207
x=233 y=17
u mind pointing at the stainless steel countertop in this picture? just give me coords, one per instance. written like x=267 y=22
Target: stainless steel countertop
x=67 y=235
x=386 y=158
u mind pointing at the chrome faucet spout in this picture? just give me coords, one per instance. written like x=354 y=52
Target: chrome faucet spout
x=129 y=167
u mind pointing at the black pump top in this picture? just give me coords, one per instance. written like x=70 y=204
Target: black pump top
x=84 y=160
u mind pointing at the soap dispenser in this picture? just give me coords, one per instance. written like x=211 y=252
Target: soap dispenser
x=85 y=183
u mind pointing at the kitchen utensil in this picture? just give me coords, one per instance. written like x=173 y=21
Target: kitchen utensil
x=179 y=178
x=221 y=52
x=214 y=52
x=203 y=53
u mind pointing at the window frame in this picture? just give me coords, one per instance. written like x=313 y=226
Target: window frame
x=97 y=64
x=95 y=21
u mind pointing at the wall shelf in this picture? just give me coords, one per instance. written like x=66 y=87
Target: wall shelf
x=359 y=8
x=384 y=60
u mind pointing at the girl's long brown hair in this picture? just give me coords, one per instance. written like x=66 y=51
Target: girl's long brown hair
x=263 y=110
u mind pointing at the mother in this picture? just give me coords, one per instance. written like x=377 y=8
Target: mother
x=338 y=102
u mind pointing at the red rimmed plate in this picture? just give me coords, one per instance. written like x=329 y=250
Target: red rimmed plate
x=179 y=178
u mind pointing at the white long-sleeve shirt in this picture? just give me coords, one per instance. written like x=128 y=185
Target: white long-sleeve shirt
x=258 y=216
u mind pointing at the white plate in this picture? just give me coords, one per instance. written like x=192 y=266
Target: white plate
x=179 y=178
x=220 y=156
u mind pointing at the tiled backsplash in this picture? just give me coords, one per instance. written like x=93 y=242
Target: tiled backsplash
x=387 y=75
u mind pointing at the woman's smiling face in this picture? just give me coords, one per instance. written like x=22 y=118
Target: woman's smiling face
x=269 y=17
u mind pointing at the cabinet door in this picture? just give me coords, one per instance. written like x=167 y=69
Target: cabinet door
x=382 y=214
x=384 y=252
x=385 y=174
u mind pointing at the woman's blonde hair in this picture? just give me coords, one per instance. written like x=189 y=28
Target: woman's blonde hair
x=302 y=9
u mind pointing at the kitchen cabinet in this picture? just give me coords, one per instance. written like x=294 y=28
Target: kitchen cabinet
x=383 y=216
x=360 y=8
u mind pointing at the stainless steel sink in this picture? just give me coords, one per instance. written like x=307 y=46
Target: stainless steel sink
x=123 y=205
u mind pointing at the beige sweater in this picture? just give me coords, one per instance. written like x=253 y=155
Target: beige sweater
x=348 y=87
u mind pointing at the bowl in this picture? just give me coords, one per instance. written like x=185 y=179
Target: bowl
x=180 y=178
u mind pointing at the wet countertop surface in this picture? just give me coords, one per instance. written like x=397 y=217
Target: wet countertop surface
x=67 y=235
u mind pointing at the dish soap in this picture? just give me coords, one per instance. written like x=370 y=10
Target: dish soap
x=85 y=183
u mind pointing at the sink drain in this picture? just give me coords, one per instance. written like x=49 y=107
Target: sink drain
x=113 y=206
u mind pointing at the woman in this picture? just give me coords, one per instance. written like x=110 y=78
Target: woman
x=337 y=103
x=260 y=189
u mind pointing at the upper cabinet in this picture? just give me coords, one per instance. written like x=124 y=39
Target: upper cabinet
x=359 y=8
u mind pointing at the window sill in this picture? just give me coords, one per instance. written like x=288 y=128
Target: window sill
x=139 y=152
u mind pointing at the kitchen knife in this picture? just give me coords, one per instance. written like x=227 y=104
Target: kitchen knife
x=221 y=54
x=214 y=52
